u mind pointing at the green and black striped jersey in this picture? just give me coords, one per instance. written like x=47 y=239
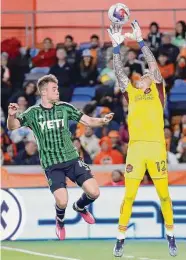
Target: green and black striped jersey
x=51 y=130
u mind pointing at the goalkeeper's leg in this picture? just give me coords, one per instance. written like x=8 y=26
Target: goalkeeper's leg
x=167 y=211
x=125 y=214
x=132 y=186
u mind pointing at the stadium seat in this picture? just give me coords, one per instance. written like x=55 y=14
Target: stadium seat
x=79 y=104
x=33 y=76
x=84 y=45
x=177 y=97
x=83 y=94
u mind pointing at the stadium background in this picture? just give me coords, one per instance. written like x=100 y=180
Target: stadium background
x=27 y=212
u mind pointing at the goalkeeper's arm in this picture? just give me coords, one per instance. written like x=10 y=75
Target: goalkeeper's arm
x=122 y=78
x=149 y=57
x=117 y=38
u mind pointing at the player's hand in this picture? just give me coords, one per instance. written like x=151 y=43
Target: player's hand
x=115 y=34
x=107 y=118
x=13 y=109
x=136 y=34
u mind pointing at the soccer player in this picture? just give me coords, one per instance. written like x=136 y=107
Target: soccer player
x=49 y=122
x=147 y=148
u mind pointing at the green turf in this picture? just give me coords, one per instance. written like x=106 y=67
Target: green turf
x=92 y=250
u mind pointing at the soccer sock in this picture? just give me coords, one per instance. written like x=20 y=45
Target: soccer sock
x=84 y=201
x=126 y=206
x=60 y=213
x=166 y=204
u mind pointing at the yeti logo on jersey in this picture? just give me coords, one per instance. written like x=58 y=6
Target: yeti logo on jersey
x=52 y=124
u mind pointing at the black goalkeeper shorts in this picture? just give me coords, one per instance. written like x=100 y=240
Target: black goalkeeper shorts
x=76 y=170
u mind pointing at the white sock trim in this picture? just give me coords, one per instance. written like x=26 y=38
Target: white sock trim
x=121 y=235
x=169 y=233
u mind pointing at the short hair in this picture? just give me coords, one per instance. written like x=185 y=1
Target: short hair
x=45 y=80
x=69 y=37
x=94 y=36
x=47 y=39
x=155 y=24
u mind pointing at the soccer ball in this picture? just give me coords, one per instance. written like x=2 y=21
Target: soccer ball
x=119 y=14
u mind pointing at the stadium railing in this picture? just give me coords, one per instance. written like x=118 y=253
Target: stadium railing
x=27 y=26
x=33 y=176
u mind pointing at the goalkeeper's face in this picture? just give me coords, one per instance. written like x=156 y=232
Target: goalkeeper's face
x=145 y=82
x=51 y=92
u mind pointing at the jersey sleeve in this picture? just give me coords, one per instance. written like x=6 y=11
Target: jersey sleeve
x=73 y=113
x=25 y=118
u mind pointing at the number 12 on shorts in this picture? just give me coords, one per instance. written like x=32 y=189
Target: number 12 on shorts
x=161 y=166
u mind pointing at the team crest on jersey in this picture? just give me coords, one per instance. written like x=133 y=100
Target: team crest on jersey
x=147 y=91
x=129 y=168
x=59 y=114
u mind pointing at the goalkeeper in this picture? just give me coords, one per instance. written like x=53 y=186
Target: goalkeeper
x=146 y=129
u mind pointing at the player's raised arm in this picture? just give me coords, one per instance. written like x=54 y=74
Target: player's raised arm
x=96 y=122
x=148 y=55
x=12 y=121
x=117 y=38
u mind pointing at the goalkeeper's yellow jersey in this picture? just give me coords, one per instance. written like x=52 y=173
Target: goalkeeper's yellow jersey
x=146 y=110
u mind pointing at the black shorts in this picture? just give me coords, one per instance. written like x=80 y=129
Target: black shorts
x=76 y=170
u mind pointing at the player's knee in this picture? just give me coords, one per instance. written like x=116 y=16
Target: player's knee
x=165 y=198
x=129 y=198
x=61 y=202
x=94 y=193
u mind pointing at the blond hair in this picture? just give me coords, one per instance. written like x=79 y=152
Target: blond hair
x=45 y=80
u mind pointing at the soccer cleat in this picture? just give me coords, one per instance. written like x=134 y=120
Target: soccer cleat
x=86 y=215
x=60 y=229
x=172 y=245
x=119 y=248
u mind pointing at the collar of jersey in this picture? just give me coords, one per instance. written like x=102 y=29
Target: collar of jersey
x=45 y=108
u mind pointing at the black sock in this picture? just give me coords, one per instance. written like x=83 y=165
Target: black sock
x=60 y=213
x=84 y=201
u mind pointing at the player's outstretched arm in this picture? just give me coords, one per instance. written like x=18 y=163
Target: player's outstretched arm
x=96 y=122
x=148 y=55
x=12 y=121
x=117 y=38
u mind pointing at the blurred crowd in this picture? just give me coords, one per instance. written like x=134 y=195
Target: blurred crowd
x=89 y=64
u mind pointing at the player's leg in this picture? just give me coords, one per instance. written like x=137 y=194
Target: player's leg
x=167 y=211
x=134 y=172
x=57 y=183
x=90 y=194
x=157 y=167
x=81 y=174
x=61 y=198
x=131 y=188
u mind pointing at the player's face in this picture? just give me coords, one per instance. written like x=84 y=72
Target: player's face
x=51 y=92
x=144 y=83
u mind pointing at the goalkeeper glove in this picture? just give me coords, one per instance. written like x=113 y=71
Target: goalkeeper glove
x=115 y=34
x=136 y=34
